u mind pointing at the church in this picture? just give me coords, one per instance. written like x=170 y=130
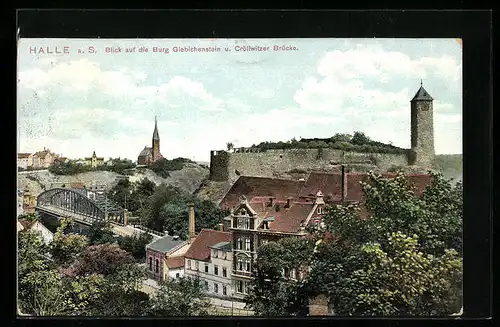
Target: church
x=150 y=155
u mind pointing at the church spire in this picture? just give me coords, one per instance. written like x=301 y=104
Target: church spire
x=156 y=136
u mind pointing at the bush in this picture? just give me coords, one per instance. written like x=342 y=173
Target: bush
x=163 y=167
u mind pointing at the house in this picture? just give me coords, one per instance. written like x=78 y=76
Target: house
x=43 y=159
x=213 y=272
x=267 y=209
x=46 y=234
x=160 y=256
x=24 y=160
x=94 y=161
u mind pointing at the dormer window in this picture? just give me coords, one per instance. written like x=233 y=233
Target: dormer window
x=320 y=210
x=243 y=223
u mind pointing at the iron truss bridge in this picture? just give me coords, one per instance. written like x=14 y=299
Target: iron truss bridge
x=76 y=204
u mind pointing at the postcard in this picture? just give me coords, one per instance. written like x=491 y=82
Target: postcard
x=239 y=177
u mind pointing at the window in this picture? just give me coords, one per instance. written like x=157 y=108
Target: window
x=224 y=272
x=248 y=265
x=216 y=270
x=247 y=244
x=196 y=265
x=177 y=275
x=206 y=286
x=157 y=266
x=188 y=264
x=216 y=288
x=150 y=263
x=239 y=286
x=243 y=223
x=239 y=243
x=239 y=264
x=225 y=256
x=320 y=210
x=224 y=290
x=215 y=253
x=206 y=267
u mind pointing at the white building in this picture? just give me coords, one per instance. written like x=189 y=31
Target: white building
x=209 y=258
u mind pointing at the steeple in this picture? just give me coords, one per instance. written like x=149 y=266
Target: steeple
x=422 y=94
x=156 y=136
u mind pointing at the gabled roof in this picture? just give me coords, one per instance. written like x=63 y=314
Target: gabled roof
x=422 y=95
x=223 y=246
x=165 y=244
x=279 y=189
x=146 y=152
x=200 y=248
x=23 y=155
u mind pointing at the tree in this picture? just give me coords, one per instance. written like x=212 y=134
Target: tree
x=135 y=244
x=142 y=191
x=229 y=146
x=121 y=191
x=28 y=216
x=100 y=232
x=182 y=297
x=272 y=291
x=65 y=247
x=103 y=259
x=359 y=138
x=371 y=267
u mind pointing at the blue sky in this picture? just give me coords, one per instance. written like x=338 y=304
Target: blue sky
x=76 y=103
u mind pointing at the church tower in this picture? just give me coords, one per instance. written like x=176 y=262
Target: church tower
x=156 y=143
x=422 y=129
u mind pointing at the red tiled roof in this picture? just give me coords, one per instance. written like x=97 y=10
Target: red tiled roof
x=199 y=249
x=175 y=262
x=328 y=183
x=280 y=189
x=288 y=220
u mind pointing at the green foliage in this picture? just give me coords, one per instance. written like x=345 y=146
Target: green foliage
x=163 y=167
x=100 y=232
x=229 y=146
x=136 y=244
x=272 y=292
x=167 y=209
x=371 y=267
x=102 y=259
x=28 y=216
x=182 y=297
x=68 y=168
x=358 y=142
x=119 y=166
x=65 y=247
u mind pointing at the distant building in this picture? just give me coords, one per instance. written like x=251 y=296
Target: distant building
x=160 y=254
x=24 y=160
x=94 y=161
x=43 y=159
x=149 y=155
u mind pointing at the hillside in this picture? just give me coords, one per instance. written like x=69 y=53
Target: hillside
x=188 y=178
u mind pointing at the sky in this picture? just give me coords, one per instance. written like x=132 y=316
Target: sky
x=75 y=98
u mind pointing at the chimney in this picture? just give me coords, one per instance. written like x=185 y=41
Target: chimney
x=221 y=227
x=344 y=185
x=191 y=235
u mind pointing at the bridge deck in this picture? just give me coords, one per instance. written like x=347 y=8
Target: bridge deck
x=88 y=220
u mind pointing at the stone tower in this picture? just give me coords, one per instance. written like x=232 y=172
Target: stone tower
x=422 y=129
x=156 y=143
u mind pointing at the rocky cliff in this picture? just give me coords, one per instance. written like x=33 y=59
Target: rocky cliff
x=188 y=179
